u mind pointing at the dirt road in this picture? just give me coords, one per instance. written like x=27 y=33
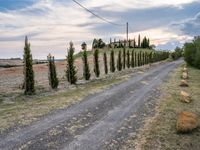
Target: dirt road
x=100 y=121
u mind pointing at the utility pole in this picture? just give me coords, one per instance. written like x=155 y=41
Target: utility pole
x=127 y=32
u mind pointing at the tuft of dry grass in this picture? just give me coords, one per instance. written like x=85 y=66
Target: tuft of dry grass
x=159 y=132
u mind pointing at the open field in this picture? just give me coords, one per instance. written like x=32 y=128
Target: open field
x=160 y=131
x=11 y=79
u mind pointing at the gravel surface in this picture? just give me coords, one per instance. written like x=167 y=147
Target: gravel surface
x=100 y=121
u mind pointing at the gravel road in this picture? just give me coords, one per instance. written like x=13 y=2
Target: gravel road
x=99 y=121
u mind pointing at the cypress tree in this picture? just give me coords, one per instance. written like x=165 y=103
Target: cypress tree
x=53 y=80
x=124 y=58
x=138 y=59
x=71 y=69
x=128 y=59
x=29 y=83
x=112 y=61
x=139 y=44
x=136 y=64
x=96 y=63
x=105 y=63
x=86 y=68
x=132 y=59
x=119 y=61
x=143 y=58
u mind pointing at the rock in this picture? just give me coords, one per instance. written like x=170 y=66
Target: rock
x=185 y=70
x=184 y=83
x=185 y=75
x=185 y=97
x=186 y=122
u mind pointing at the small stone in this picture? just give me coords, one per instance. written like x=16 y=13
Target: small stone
x=185 y=97
x=185 y=75
x=184 y=83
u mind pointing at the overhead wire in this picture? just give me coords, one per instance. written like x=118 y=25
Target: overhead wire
x=98 y=16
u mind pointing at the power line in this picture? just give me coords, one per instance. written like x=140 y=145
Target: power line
x=105 y=20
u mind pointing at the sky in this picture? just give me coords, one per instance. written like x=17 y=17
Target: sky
x=51 y=24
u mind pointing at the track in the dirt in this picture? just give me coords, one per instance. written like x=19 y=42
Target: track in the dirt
x=100 y=121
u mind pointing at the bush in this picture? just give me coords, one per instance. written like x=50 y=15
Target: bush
x=177 y=53
x=192 y=53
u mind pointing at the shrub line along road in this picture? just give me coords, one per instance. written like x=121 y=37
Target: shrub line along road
x=92 y=123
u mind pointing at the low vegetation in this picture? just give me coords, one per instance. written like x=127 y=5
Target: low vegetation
x=192 y=52
x=160 y=131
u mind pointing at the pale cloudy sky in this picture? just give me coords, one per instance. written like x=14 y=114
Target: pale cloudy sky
x=52 y=24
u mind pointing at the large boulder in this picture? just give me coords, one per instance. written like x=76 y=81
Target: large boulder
x=186 y=122
x=185 y=75
x=184 y=83
x=185 y=97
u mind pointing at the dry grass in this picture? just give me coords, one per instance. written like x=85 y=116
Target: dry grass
x=160 y=132
x=17 y=109
x=23 y=110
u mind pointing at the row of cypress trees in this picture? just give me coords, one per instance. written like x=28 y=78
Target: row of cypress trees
x=125 y=59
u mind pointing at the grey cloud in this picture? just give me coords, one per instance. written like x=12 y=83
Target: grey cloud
x=189 y=27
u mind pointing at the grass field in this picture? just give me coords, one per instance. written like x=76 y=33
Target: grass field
x=160 y=131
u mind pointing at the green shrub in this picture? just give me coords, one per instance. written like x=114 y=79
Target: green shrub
x=192 y=53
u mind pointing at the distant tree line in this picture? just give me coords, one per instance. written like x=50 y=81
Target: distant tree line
x=126 y=58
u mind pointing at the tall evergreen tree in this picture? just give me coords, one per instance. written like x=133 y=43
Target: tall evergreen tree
x=139 y=44
x=96 y=63
x=53 y=80
x=29 y=83
x=143 y=58
x=124 y=58
x=112 y=61
x=136 y=64
x=71 y=68
x=105 y=63
x=138 y=59
x=132 y=59
x=119 y=61
x=128 y=59
x=86 y=68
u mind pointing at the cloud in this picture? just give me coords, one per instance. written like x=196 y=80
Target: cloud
x=189 y=26
x=51 y=24
x=121 y=5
